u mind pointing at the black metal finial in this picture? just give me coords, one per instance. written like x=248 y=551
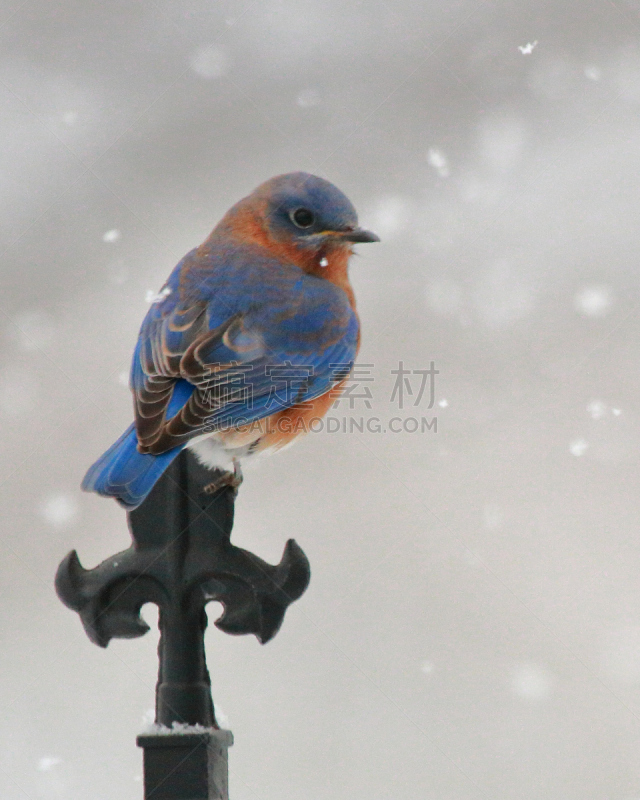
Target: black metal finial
x=182 y=558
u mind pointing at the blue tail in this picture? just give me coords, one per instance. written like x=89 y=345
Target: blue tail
x=124 y=473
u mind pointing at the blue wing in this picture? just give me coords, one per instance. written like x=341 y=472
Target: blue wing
x=228 y=334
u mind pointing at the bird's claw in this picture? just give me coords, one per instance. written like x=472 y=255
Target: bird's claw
x=226 y=478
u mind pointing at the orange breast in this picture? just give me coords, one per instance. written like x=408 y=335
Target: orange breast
x=281 y=428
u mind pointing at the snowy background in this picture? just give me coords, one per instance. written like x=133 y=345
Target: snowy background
x=472 y=628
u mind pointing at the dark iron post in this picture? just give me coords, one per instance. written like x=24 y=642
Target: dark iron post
x=181 y=558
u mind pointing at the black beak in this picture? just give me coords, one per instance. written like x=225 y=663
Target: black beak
x=359 y=235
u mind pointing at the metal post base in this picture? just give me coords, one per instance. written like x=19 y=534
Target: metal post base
x=186 y=766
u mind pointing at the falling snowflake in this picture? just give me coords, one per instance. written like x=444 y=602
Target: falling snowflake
x=578 y=447
x=443 y=403
x=209 y=62
x=111 y=236
x=427 y=667
x=123 y=378
x=593 y=301
x=70 y=118
x=59 y=509
x=593 y=73
x=151 y=297
x=48 y=762
x=597 y=409
x=221 y=717
x=438 y=160
x=531 y=682
x=528 y=48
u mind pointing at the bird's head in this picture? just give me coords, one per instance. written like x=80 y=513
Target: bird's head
x=301 y=216
x=310 y=212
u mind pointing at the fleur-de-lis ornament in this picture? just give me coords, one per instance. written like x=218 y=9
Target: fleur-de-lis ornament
x=181 y=558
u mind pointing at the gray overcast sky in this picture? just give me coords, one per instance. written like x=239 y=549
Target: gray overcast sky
x=472 y=627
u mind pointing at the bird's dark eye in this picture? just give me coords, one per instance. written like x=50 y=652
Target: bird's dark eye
x=303 y=218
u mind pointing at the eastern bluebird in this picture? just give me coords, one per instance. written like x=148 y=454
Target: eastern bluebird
x=251 y=337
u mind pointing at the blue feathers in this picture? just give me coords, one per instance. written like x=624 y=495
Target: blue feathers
x=124 y=473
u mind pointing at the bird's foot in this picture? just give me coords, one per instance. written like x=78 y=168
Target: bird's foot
x=226 y=478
